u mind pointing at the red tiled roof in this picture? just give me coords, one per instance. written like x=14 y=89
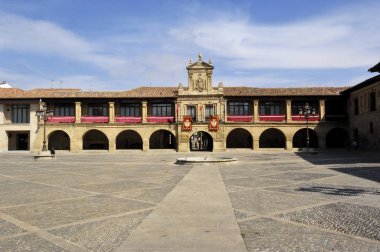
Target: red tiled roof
x=11 y=93
x=165 y=92
x=307 y=91
x=152 y=92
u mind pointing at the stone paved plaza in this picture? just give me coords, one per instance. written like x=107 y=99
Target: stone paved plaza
x=280 y=201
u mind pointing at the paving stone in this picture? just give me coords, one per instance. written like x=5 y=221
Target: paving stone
x=154 y=195
x=104 y=235
x=66 y=179
x=6 y=180
x=115 y=186
x=242 y=214
x=263 y=202
x=21 y=186
x=55 y=213
x=266 y=234
x=299 y=176
x=29 y=243
x=347 y=218
x=38 y=195
x=325 y=190
x=7 y=228
x=232 y=188
x=350 y=180
x=256 y=182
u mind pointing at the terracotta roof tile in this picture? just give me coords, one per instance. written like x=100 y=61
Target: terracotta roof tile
x=308 y=91
x=165 y=92
x=153 y=92
x=11 y=93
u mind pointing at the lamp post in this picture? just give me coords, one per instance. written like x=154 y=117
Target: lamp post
x=44 y=113
x=306 y=110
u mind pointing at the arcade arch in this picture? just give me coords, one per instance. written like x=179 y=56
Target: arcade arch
x=59 y=140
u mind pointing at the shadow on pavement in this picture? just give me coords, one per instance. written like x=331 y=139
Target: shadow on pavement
x=338 y=191
x=341 y=157
x=370 y=173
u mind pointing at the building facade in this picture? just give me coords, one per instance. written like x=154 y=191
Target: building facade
x=198 y=116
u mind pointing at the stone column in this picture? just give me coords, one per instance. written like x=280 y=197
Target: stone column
x=144 y=113
x=289 y=144
x=78 y=112
x=322 y=110
x=256 y=110
x=178 y=114
x=145 y=144
x=2 y=118
x=256 y=145
x=111 y=145
x=288 y=110
x=111 y=108
x=224 y=111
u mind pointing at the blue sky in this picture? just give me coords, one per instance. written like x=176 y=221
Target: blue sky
x=119 y=45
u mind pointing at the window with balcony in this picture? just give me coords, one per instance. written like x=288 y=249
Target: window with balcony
x=209 y=111
x=272 y=111
x=239 y=111
x=63 y=113
x=95 y=109
x=297 y=105
x=130 y=109
x=161 y=109
x=372 y=101
x=20 y=114
x=64 y=109
x=272 y=108
x=192 y=111
x=239 y=108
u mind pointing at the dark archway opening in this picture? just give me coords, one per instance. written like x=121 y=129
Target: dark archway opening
x=95 y=140
x=239 y=138
x=299 y=139
x=129 y=139
x=272 y=138
x=337 y=138
x=162 y=139
x=201 y=141
x=59 y=140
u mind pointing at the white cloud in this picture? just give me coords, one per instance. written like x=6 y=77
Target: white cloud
x=42 y=37
x=342 y=39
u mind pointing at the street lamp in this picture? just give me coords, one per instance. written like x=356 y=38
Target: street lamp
x=306 y=110
x=44 y=113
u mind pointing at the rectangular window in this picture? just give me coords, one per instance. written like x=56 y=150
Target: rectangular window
x=64 y=109
x=372 y=101
x=192 y=111
x=209 y=111
x=239 y=108
x=297 y=105
x=356 y=106
x=271 y=108
x=20 y=114
x=98 y=109
x=161 y=109
x=130 y=109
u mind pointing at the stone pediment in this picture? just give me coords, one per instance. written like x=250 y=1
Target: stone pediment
x=200 y=65
x=199 y=79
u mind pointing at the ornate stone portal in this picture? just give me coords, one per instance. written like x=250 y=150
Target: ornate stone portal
x=204 y=101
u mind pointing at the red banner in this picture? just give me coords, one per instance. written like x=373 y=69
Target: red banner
x=187 y=123
x=213 y=125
